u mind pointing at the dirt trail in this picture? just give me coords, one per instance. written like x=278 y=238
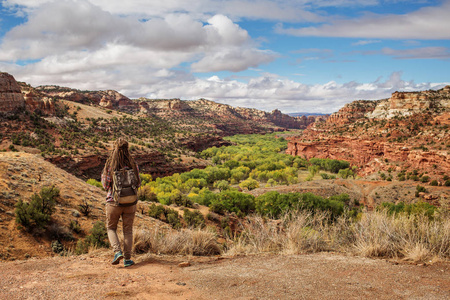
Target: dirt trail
x=316 y=276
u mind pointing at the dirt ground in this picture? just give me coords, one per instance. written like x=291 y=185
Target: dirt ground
x=316 y=276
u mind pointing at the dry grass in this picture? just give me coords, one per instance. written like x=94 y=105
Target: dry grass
x=183 y=242
x=294 y=234
x=410 y=237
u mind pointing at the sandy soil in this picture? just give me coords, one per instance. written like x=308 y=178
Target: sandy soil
x=316 y=276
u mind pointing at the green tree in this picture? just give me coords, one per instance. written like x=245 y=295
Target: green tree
x=313 y=170
x=249 y=184
x=222 y=185
x=345 y=173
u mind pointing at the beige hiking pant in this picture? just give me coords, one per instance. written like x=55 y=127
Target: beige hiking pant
x=113 y=214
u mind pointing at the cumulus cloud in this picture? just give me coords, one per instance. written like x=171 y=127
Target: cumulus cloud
x=269 y=92
x=426 y=23
x=66 y=35
x=234 y=60
x=287 y=10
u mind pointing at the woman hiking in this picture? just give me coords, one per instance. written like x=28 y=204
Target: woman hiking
x=120 y=178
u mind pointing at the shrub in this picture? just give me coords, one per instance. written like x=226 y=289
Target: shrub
x=274 y=204
x=180 y=200
x=324 y=175
x=434 y=183
x=420 y=189
x=166 y=215
x=94 y=182
x=420 y=208
x=193 y=218
x=331 y=165
x=97 y=238
x=75 y=226
x=313 y=170
x=249 y=184
x=447 y=182
x=425 y=179
x=414 y=177
x=222 y=185
x=145 y=178
x=57 y=247
x=37 y=213
x=345 y=173
x=204 y=197
x=85 y=208
x=145 y=193
x=233 y=201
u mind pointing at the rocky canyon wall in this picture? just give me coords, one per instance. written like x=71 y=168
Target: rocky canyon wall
x=408 y=130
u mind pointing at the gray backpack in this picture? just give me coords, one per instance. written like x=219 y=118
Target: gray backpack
x=125 y=185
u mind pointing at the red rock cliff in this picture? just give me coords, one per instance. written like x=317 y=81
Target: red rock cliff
x=11 y=97
x=408 y=130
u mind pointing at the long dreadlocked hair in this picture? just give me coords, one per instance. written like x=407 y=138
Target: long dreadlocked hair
x=120 y=158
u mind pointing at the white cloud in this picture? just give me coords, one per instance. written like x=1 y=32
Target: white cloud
x=442 y=53
x=426 y=23
x=269 y=92
x=366 y=42
x=75 y=35
x=418 y=53
x=288 y=10
x=235 y=60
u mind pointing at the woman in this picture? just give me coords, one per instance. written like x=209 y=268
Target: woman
x=119 y=159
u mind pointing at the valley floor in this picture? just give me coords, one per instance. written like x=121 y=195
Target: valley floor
x=315 y=276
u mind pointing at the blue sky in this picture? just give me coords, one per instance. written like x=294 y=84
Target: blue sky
x=292 y=55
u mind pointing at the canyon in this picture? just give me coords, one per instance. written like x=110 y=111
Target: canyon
x=55 y=118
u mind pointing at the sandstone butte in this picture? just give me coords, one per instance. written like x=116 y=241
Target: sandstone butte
x=408 y=131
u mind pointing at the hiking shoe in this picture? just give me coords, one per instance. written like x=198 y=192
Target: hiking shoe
x=128 y=262
x=117 y=257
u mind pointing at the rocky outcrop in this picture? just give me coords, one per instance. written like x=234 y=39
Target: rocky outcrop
x=403 y=104
x=108 y=99
x=35 y=101
x=11 y=97
x=352 y=112
x=283 y=120
x=163 y=106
